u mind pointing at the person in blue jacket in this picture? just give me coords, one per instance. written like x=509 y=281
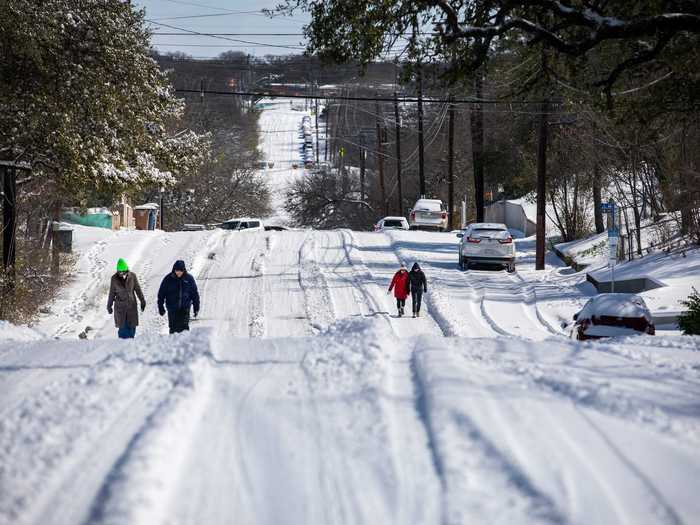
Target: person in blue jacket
x=178 y=293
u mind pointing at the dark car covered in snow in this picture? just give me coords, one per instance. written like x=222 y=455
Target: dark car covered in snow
x=612 y=314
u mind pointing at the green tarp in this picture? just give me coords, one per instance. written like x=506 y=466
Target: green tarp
x=98 y=220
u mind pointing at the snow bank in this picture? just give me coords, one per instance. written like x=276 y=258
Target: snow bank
x=10 y=332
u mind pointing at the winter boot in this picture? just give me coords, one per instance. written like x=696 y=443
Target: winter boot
x=418 y=313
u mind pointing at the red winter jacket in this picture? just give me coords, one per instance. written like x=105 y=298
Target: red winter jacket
x=400 y=284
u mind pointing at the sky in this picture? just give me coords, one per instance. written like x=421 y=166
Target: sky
x=276 y=36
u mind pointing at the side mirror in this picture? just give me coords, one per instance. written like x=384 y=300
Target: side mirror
x=576 y=317
x=460 y=235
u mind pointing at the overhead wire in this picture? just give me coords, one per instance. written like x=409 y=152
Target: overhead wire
x=223 y=37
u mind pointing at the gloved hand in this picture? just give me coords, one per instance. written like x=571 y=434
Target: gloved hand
x=161 y=310
x=143 y=306
x=109 y=310
x=196 y=312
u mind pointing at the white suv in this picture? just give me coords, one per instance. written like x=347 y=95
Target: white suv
x=243 y=223
x=428 y=213
x=391 y=223
x=487 y=243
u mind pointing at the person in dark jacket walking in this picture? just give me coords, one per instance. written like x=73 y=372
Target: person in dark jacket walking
x=178 y=293
x=419 y=285
x=123 y=290
x=401 y=287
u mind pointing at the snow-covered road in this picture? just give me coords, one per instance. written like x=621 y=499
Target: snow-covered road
x=299 y=397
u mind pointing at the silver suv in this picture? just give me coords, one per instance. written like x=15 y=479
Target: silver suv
x=487 y=243
x=428 y=213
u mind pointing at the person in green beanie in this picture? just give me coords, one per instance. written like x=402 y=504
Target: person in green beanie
x=123 y=289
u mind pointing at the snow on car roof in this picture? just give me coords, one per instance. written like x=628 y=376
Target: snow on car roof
x=393 y=218
x=616 y=305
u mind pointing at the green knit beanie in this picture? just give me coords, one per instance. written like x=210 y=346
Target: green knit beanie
x=121 y=266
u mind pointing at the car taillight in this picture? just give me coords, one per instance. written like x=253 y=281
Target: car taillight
x=506 y=241
x=413 y=215
x=475 y=241
x=444 y=215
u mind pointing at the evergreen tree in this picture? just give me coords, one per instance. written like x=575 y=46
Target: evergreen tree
x=689 y=322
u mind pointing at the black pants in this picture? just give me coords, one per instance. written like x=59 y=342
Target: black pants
x=400 y=303
x=178 y=320
x=416 y=297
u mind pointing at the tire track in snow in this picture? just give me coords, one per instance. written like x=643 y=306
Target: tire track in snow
x=139 y=487
x=494 y=295
x=256 y=301
x=320 y=310
x=475 y=471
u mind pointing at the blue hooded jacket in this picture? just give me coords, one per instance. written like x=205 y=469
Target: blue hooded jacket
x=178 y=293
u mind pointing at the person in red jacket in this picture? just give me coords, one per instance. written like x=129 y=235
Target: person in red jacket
x=401 y=286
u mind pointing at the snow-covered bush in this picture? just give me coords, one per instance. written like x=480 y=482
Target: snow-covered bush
x=689 y=322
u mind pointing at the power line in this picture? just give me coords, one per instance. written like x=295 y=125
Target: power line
x=161 y=33
x=368 y=99
x=222 y=37
x=228 y=13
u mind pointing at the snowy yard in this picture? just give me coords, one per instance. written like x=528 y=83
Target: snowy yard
x=299 y=397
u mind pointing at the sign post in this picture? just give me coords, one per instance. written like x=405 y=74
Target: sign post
x=613 y=238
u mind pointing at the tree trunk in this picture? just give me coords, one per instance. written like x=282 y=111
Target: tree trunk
x=597 y=200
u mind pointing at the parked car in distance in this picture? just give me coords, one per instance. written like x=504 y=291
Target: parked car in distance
x=391 y=223
x=486 y=243
x=243 y=223
x=612 y=314
x=276 y=228
x=428 y=213
x=193 y=227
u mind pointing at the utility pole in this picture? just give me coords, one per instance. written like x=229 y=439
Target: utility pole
x=398 y=151
x=380 y=159
x=477 y=128
x=541 y=186
x=450 y=166
x=325 y=142
x=362 y=166
x=421 y=160
x=9 y=216
x=317 y=132
x=201 y=90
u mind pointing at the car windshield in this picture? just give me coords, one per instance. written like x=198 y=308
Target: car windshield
x=393 y=223
x=231 y=225
x=429 y=205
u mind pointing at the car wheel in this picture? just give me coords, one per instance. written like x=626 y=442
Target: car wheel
x=461 y=263
x=511 y=268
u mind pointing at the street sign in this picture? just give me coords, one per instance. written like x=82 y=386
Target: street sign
x=613 y=232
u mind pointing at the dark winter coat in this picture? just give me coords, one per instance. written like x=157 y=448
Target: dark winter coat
x=178 y=293
x=400 y=284
x=122 y=297
x=417 y=278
